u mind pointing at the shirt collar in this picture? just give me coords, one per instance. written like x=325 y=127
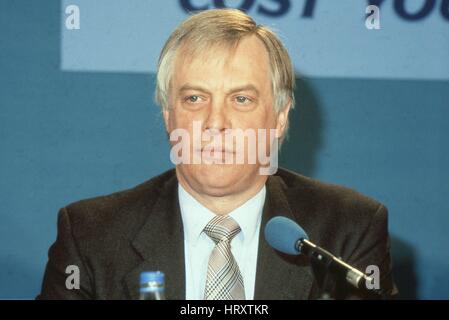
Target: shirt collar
x=195 y=216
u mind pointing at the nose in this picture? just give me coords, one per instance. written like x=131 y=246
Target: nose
x=217 y=120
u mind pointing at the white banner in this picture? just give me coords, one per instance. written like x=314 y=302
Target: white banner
x=398 y=39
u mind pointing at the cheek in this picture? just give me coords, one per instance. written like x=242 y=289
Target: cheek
x=179 y=118
x=271 y=118
x=260 y=118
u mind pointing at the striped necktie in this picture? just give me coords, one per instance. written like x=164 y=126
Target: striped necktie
x=224 y=280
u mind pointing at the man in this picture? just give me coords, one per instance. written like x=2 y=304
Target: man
x=202 y=223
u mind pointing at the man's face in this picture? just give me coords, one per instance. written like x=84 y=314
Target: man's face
x=223 y=90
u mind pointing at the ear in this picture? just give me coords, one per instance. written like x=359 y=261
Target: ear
x=166 y=114
x=282 y=120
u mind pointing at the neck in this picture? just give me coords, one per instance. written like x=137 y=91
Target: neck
x=223 y=204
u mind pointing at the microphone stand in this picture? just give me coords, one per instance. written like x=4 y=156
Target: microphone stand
x=330 y=275
x=326 y=281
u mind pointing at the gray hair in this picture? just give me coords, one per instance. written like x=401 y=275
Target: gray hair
x=226 y=27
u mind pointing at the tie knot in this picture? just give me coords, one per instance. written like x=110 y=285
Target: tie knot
x=222 y=228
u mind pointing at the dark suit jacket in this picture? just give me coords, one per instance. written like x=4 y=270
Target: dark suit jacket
x=113 y=238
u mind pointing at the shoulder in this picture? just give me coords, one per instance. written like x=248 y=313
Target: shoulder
x=325 y=195
x=330 y=212
x=120 y=213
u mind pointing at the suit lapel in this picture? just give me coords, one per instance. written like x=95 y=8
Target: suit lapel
x=160 y=243
x=279 y=276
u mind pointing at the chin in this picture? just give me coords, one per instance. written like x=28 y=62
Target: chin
x=220 y=179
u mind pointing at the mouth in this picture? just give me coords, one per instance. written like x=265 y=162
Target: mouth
x=217 y=154
x=220 y=155
x=212 y=151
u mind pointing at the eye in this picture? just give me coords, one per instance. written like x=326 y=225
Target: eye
x=192 y=99
x=242 y=100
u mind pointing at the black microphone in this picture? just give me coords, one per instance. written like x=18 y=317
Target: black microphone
x=287 y=236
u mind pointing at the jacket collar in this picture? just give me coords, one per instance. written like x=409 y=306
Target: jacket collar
x=280 y=276
x=160 y=243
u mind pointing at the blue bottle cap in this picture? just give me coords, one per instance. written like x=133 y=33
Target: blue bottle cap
x=152 y=276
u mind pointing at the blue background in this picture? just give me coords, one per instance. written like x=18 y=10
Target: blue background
x=65 y=136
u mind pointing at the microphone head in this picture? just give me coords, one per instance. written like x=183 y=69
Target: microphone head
x=283 y=234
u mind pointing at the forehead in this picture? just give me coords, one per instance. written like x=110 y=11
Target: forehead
x=220 y=65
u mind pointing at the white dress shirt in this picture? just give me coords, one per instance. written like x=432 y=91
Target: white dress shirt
x=198 y=246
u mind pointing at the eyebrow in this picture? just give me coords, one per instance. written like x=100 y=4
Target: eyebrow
x=248 y=87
